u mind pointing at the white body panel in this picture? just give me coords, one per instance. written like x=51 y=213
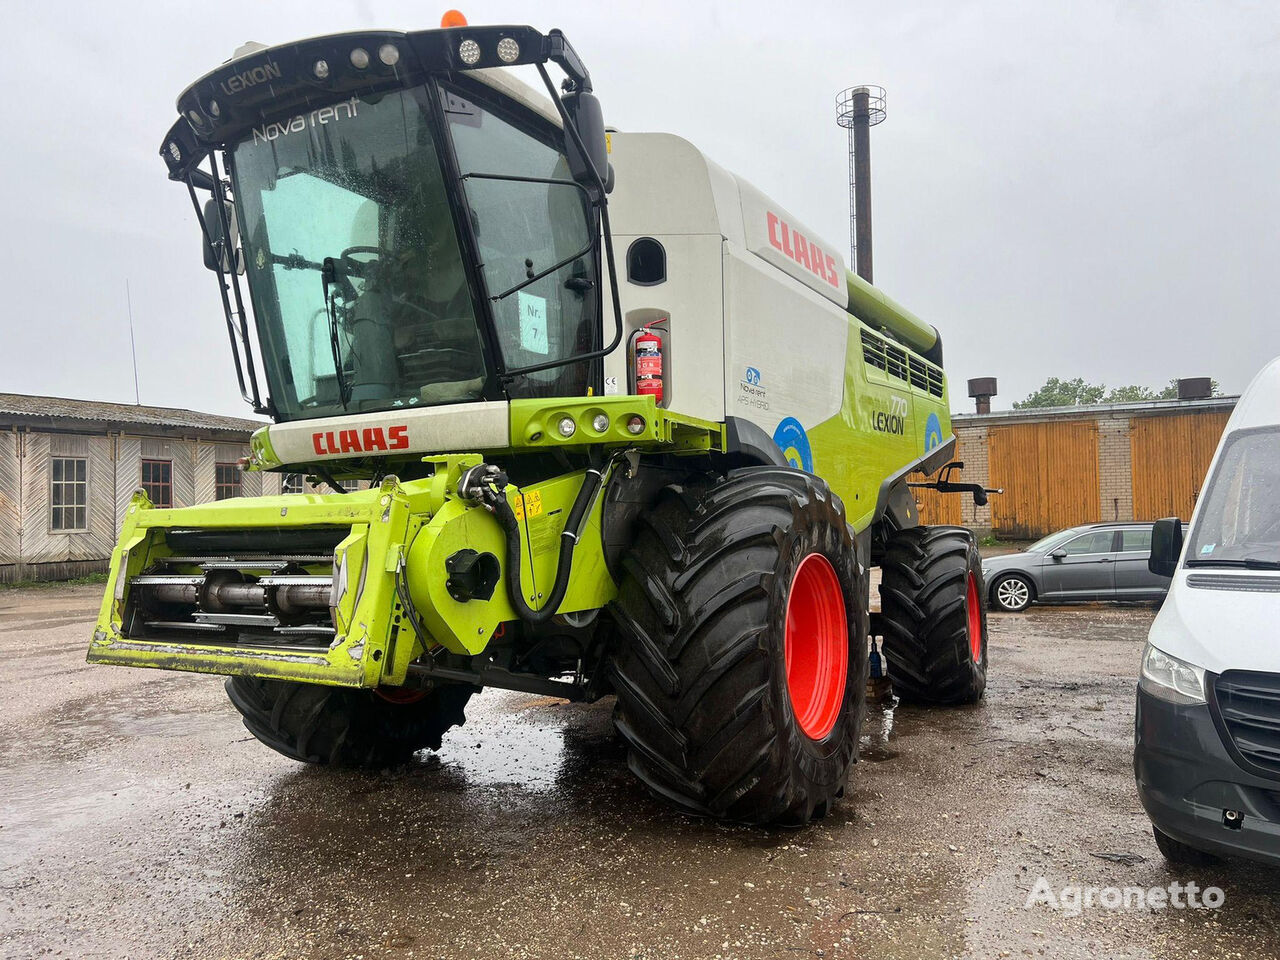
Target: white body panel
x=457 y=426
x=1223 y=629
x=758 y=327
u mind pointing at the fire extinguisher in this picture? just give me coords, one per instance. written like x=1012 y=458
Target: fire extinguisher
x=648 y=364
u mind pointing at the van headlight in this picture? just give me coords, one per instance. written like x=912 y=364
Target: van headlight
x=1171 y=679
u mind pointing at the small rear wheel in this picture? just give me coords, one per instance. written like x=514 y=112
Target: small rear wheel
x=933 y=617
x=313 y=723
x=741 y=662
x=1012 y=593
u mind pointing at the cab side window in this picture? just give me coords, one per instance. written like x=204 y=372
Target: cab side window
x=1098 y=542
x=534 y=239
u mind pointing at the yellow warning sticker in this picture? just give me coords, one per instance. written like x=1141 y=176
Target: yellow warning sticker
x=530 y=501
x=608 y=143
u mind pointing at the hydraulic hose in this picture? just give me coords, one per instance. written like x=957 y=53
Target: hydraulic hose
x=568 y=541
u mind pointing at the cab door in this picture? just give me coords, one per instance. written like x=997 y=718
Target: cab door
x=1083 y=568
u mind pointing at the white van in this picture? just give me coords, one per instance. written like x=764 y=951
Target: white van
x=1207 y=736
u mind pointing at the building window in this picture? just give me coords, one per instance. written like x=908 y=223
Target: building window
x=157 y=482
x=69 y=494
x=226 y=481
x=292 y=483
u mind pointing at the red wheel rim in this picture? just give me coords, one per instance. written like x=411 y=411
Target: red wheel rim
x=816 y=646
x=974 y=611
x=399 y=694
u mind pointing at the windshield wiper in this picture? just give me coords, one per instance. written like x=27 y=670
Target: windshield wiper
x=1249 y=563
x=328 y=276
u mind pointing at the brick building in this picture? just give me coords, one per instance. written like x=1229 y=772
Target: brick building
x=1061 y=466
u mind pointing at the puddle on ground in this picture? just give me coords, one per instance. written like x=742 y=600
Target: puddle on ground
x=500 y=749
x=876 y=730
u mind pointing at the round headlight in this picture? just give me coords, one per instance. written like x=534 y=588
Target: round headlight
x=359 y=58
x=566 y=426
x=469 y=52
x=389 y=54
x=508 y=50
x=320 y=69
x=600 y=422
x=635 y=424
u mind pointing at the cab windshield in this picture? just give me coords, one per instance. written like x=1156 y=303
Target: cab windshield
x=1240 y=518
x=360 y=282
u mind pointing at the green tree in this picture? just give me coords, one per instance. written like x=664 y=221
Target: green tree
x=1136 y=392
x=1078 y=393
x=1062 y=393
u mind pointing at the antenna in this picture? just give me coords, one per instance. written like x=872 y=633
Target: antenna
x=858 y=109
x=133 y=347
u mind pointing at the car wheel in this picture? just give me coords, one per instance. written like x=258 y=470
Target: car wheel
x=1012 y=593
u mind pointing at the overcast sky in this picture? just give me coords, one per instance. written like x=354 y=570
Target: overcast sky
x=1063 y=189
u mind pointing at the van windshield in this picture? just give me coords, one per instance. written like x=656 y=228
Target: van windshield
x=1240 y=516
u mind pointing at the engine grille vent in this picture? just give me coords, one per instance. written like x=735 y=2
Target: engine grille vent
x=1226 y=581
x=1249 y=707
x=896 y=362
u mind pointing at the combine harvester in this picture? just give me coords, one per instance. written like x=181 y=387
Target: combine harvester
x=629 y=428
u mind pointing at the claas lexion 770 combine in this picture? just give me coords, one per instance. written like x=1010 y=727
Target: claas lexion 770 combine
x=629 y=428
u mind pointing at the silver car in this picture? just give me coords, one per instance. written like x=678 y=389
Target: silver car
x=1097 y=561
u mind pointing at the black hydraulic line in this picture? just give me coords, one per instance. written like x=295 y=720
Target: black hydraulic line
x=327 y=477
x=568 y=541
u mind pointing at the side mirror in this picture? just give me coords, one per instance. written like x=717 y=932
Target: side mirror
x=1058 y=554
x=1166 y=546
x=588 y=119
x=223 y=247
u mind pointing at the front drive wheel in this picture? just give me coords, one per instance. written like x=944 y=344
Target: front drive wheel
x=321 y=724
x=1012 y=593
x=933 y=616
x=741 y=659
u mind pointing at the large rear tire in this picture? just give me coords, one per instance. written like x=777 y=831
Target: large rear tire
x=933 y=617
x=741 y=659
x=320 y=724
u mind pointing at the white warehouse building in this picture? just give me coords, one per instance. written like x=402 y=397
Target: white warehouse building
x=69 y=467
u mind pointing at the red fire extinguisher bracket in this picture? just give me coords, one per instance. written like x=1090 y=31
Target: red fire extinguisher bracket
x=648 y=363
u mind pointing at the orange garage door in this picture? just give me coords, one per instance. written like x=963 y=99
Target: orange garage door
x=937 y=508
x=1049 y=472
x=1170 y=458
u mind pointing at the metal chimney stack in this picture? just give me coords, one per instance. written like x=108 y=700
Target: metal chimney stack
x=858 y=109
x=982 y=389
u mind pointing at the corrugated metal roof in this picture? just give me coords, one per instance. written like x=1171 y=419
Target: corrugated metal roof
x=1102 y=409
x=21 y=405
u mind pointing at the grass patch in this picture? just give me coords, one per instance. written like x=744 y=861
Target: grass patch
x=44 y=584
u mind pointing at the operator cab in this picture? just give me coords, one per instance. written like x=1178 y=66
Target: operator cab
x=412 y=229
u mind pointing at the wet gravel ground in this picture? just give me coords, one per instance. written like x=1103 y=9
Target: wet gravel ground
x=138 y=819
